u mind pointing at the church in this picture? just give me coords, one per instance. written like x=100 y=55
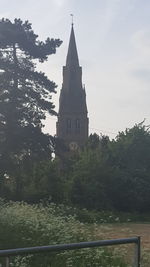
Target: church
x=73 y=123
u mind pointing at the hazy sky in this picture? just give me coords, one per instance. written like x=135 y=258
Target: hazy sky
x=113 y=42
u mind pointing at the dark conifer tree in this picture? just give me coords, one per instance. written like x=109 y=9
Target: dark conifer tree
x=25 y=94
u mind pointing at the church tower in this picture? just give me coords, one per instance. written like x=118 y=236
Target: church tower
x=72 y=124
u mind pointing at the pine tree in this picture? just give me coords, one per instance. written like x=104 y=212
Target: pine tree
x=25 y=94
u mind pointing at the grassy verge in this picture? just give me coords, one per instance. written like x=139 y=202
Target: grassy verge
x=94 y=216
x=23 y=225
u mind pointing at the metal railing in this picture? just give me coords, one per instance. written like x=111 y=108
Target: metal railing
x=55 y=248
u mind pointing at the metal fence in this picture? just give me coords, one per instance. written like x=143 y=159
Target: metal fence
x=56 y=248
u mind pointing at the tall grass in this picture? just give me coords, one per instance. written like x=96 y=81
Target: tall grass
x=24 y=225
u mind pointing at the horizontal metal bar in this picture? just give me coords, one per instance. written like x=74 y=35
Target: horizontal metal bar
x=39 y=249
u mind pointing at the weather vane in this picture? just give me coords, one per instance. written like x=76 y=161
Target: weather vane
x=71 y=19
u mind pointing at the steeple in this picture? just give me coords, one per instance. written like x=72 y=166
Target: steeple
x=72 y=124
x=72 y=56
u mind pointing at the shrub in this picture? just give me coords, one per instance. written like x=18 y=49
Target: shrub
x=24 y=225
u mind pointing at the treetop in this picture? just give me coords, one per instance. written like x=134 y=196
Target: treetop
x=20 y=35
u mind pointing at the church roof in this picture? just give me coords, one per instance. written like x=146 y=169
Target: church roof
x=72 y=56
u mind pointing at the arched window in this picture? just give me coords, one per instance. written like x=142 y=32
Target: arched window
x=77 y=126
x=68 y=126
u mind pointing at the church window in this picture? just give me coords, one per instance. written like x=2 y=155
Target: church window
x=77 y=126
x=68 y=126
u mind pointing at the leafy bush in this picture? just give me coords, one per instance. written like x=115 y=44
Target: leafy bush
x=24 y=225
x=104 y=216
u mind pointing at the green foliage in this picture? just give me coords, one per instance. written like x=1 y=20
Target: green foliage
x=105 y=175
x=130 y=188
x=114 y=174
x=23 y=225
x=25 y=97
x=44 y=182
x=91 y=173
x=89 y=180
x=39 y=180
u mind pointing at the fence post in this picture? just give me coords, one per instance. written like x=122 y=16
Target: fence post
x=137 y=256
x=7 y=262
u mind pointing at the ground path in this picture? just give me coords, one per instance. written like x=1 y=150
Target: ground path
x=125 y=230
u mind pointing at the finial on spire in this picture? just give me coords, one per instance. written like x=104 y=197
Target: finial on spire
x=71 y=19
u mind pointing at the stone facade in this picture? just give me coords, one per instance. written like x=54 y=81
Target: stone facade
x=72 y=124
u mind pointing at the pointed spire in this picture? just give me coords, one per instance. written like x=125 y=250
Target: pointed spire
x=72 y=56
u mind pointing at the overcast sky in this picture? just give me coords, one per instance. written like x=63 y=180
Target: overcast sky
x=113 y=42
